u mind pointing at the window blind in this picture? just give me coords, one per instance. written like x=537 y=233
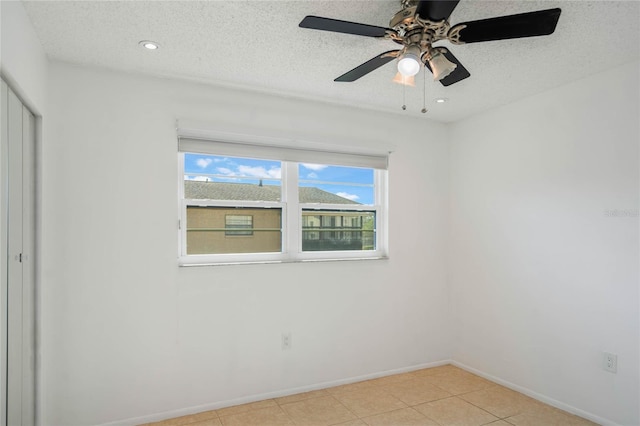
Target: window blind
x=274 y=151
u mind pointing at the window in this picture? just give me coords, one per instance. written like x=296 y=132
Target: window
x=262 y=208
x=233 y=222
x=351 y=227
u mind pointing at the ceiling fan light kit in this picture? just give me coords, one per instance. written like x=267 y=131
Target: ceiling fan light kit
x=408 y=65
x=439 y=64
x=421 y=23
x=407 y=81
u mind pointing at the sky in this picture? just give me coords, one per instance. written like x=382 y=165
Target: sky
x=353 y=183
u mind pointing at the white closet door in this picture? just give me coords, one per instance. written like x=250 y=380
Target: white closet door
x=4 y=165
x=18 y=225
x=28 y=270
x=14 y=267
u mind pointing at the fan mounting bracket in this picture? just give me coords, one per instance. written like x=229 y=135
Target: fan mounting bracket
x=407 y=28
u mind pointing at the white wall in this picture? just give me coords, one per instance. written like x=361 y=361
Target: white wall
x=543 y=280
x=22 y=60
x=128 y=333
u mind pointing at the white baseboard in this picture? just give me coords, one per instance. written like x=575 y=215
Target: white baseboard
x=538 y=396
x=276 y=394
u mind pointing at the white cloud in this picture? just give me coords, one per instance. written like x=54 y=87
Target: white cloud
x=276 y=172
x=199 y=178
x=316 y=167
x=348 y=196
x=260 y=172
x=230 y=174
x=203 y=162
x=312 y=175
x=251 y=171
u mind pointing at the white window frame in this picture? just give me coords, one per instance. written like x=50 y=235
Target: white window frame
x=291 y=210
x=379 y=183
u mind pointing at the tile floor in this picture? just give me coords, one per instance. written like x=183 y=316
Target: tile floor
x=444 y=396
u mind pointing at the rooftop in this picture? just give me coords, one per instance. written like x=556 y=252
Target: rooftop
x=251 y=192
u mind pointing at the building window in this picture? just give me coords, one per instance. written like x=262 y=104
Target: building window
x=238 y=225
x=338 y=230
x=245 y=209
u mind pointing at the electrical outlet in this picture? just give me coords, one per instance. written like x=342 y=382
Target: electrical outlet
x=286 y=341
x=610 y=362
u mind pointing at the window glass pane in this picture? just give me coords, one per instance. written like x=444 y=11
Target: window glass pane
x=335 y=230
x=214 y=177
x=321 y=183
x=214 y=230
x=238 y=225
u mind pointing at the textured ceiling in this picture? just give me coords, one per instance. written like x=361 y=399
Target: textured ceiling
x=258 y=45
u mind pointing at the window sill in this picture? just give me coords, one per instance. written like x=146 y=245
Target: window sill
x=265 y=262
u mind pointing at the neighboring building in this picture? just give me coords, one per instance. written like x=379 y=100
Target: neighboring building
x=249 y=230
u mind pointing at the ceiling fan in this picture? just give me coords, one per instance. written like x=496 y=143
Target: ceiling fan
x=421 y=23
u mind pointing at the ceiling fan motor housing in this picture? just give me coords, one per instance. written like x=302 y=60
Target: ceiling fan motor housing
x=411 y=30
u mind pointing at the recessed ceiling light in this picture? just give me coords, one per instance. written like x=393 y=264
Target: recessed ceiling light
x=148 y=44
x=441 y=100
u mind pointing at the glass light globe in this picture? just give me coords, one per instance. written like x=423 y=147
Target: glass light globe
x=441 y=66
x=408 y=65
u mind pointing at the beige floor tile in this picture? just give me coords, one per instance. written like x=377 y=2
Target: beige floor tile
x=548 y=416
x=270 y=416
x=352 y=387
x=416 y=391
x=499 y=423
x=236 y=409
x=324 y=410
x=459 y=382
x=210 y=422
x=184 y=420
x=178 y=421
x=369 y=402
x=500 y=401
x=352 y=423
x=455 y=412
x=301 y=396
x=402 y=417
x=391 y=380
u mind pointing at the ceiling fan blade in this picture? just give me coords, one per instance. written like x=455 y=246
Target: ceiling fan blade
x=531 y=24
x=367 y=67
x=436 y=10
x=338 y=26
x=460 y=73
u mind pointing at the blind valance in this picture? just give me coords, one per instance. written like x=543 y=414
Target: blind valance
x=204 y=139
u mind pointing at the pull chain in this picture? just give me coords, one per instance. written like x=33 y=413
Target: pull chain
x=424 y=92
x=404 y=89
